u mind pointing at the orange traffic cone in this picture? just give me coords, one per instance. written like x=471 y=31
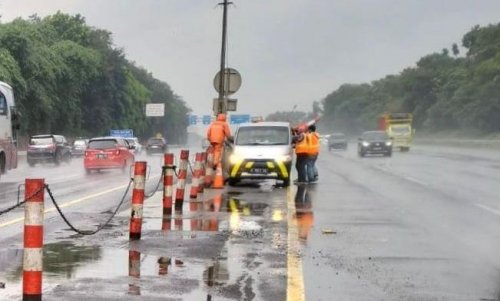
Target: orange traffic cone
x=219 y=178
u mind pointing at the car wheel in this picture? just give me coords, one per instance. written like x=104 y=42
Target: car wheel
x=233 y=182
x=361 y=153
x=31 y=163
x=88 y=171
x=286 y=182
x=388 y=154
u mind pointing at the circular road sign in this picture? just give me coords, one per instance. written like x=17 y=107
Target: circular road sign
x=232 y=81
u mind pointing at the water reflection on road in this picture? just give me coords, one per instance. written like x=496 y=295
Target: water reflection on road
x=304 y=211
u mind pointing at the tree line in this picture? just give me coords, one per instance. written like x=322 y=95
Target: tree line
x=444 y=91
x=68 y=78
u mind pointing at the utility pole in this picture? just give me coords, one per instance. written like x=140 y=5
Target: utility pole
x=222 y=92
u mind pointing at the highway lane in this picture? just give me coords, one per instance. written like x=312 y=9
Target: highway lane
x=222 y=247
x=422 y=225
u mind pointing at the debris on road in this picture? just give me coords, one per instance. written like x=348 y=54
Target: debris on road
x=328 y=231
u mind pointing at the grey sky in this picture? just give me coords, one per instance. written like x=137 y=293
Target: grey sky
x=288 y=51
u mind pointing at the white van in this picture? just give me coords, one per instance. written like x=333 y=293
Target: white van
x=260 y=150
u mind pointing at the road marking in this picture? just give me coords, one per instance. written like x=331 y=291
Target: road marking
x=491 y=210
x=295 y=278
x=408 y=178
x=67 y=204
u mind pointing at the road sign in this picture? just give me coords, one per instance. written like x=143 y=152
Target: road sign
x=239 y=118
x=232 y=81
x=206 y=119
x=126 y=133
x=192 y=119
x=228 y=105
x=155 y=109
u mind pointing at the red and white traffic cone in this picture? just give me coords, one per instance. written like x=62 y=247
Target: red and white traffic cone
x=209 y=167
x=195 y=182
x=168 y=184
x=137 y=200
x=168 y=191
x=33 y=239
x=201 y=184
x=219 y=177
x=181 y=183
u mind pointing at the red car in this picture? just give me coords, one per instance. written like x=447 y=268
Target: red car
x=106 y=153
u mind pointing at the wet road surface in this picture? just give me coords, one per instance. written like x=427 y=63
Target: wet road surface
x=422 y=225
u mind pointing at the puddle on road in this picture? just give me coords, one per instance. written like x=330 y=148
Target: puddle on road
x=77 y=269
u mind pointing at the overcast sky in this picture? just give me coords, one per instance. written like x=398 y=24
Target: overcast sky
x=289 y=52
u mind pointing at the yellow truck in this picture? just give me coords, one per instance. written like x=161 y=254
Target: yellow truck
x=399 y=126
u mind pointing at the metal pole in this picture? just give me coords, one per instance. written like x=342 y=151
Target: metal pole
x=221 y=108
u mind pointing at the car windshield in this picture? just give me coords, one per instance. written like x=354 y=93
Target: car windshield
x=263 y=135
x=375 y=136
x=131 y=141
x=41 y=141
x=400 y=130
x=79 y=143
x=155 y=141
x=102 y=144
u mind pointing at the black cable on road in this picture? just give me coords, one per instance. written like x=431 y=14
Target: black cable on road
x=88 y=232
x=19 y=204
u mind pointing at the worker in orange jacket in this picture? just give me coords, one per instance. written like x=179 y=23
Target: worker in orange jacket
x=301 y=141
x=313 y=151
x=217 y=133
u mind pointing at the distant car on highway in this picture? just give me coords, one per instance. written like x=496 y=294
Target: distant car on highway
x=156 y=145
x=375 y=142
x=337 y=141
x=135 y=143
x=108 y=153
x=48 y=148
x=79 y=146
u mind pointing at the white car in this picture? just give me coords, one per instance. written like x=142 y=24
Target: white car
x=260 y=150
x=135 y=143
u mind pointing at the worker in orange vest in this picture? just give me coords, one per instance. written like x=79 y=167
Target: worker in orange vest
x=217 y=133
x=301 y=141
x=313 y=151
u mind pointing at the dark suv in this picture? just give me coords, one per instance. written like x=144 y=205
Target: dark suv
x=48 y=148
x=156 y=145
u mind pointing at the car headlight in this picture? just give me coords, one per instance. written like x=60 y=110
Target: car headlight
x=365 y=144
x=388 y=143
x=235 y=159
x=284 y=158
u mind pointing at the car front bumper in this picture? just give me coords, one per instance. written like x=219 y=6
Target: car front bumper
x=260 y=169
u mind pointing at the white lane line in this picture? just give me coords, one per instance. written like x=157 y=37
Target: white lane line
x=489 y=209
x=408 y=178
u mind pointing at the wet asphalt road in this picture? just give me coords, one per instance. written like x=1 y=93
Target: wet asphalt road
x=422 y=225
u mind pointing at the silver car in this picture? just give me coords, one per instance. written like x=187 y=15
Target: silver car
x=260 y=150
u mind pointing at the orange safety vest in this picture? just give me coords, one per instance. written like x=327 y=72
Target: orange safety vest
x=302 y=146
x=313 y=143
x=218 y=131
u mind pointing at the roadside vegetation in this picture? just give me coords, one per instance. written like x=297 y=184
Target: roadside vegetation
x=446 y=92
x=69 y=78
